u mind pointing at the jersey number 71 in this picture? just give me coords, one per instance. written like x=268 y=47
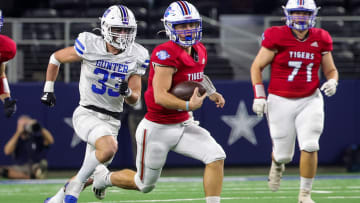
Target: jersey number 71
x=297 y=65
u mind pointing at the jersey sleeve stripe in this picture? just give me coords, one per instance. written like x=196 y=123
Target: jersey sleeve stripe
x=77 y=42
x=78 y=50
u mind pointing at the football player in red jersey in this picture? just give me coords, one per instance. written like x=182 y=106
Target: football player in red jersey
x=7 y=52
x=167 y=125
x=294 y=106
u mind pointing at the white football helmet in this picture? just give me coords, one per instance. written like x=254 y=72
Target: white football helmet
x=1 y=20
x=181 y=12
x=118 y=27
x=301 y=22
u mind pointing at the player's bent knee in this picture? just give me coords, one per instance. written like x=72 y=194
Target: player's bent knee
x=312 y=146
x=216 y=155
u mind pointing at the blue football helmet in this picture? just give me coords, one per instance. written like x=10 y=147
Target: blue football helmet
x=181 y=12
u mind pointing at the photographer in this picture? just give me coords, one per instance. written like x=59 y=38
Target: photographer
x=28 y=147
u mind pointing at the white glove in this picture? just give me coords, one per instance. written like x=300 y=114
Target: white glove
x=329 y=87
x=260 y=106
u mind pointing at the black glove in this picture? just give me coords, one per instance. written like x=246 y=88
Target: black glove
x=9 y=107
x=124 y=89
x=48 y=99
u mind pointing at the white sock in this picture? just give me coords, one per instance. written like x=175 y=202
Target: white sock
x=59 y=195
x=213 y=199
x=74 y=188
x=306 y=183
x=108 y=180
x=87 y=168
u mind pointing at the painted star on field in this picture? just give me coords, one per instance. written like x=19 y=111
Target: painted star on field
x=75 y=139
x=242 y=125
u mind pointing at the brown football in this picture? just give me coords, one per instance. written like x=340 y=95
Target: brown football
x=185 y=89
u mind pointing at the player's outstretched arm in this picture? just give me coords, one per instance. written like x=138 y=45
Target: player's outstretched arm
x=331 y=74
x=66 y=55
x=263 y=58
x=218 y=99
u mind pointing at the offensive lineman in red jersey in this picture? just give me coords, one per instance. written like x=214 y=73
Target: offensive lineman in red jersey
x=7 y=52
x=167 y=125
x=295 y=106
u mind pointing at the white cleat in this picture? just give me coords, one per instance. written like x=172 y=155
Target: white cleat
x=275 y=175
x=305 y=197
x=99 y=184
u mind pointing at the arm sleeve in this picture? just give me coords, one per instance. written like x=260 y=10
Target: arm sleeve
x=268 y=39
x=208 y=85
x=164 y=56
x=327 y=43
x=142 y=62
x=7 y=48
x=80 y=45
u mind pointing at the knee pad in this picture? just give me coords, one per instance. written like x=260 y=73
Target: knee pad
x=310 y=146
x=215 y=154
x=283 y=159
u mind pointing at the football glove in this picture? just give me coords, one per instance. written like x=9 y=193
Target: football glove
x=260 y=106
x=48 y=99
x=329 y=87
x=9 y=107
x=124 y=90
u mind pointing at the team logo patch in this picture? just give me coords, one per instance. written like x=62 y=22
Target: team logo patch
x=162 y=55
x=169 y=11
x=314 y=44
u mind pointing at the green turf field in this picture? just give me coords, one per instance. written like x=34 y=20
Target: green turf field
x=327 y=189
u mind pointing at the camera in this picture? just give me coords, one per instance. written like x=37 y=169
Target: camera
x=32 y=127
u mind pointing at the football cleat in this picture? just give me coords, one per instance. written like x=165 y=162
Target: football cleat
x=99 y=193
x=275 y=175
x=99 y=184
x=70 y=199
x=305 y=197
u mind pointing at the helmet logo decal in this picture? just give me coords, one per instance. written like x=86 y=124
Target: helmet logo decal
x=169 y=11
x=162 y=55
x=106 y=12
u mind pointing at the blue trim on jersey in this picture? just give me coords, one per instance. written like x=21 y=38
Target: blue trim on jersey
x=78 y=50
x=79 y=43
x=182 y=10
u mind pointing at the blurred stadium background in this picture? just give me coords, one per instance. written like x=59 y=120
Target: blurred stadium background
x=232 y=30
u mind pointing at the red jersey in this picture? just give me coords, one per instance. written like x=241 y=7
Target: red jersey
x=187 y=68
x=295 y=67
x=7 y=48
